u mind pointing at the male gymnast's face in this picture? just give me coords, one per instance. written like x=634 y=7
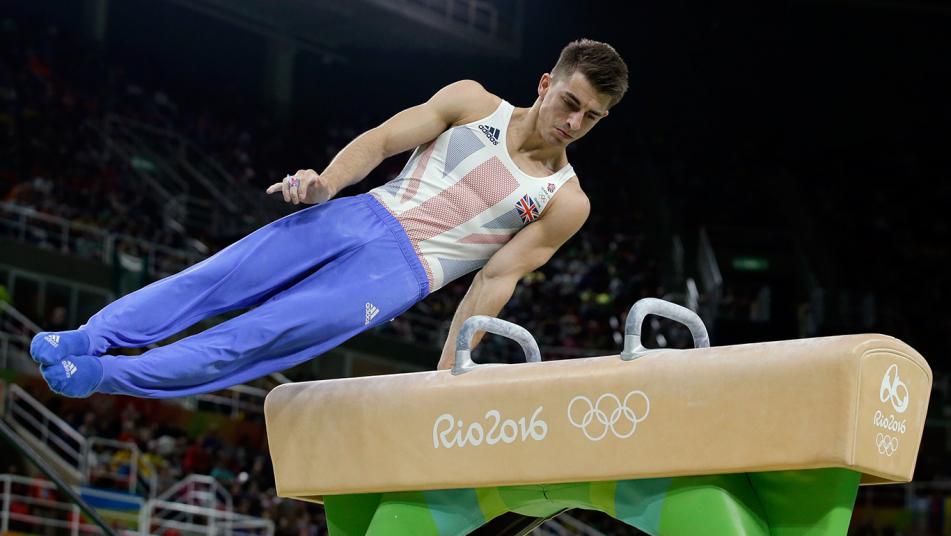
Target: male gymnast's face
x=570 y=107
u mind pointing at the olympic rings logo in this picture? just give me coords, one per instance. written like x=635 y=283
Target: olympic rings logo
x=894 y=390
x=596 y=421
x=886 y=444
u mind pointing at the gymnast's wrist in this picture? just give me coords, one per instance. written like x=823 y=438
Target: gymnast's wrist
x=333 y=183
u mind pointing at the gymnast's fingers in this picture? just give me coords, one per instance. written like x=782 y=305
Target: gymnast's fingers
x=294 y=187
x=276 y=187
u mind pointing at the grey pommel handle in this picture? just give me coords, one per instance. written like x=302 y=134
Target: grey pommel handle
x=653 y=306
x=498 y=326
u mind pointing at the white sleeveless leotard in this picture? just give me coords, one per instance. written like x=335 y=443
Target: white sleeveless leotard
x=460 y=197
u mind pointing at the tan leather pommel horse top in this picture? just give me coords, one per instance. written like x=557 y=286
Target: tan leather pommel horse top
x=856 y=401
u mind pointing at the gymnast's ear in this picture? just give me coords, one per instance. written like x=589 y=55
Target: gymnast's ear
x=544 y=85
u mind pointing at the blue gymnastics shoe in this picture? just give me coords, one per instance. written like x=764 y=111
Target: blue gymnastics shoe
x=76 y=376
x=50 y=347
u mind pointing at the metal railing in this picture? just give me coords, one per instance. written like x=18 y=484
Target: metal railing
x=8 y=309
x=29 y=505
x=75 y=454
x=252 y=205
x=478 y=15
x=15 y=345
x=46 y=431
x=43 y=230
x=199 y=504
x=236 y=399
x=199 y=490
x=147 y=157
x=157 y=517
x=181 y=167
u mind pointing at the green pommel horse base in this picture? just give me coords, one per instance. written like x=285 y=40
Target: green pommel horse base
x=781 y=503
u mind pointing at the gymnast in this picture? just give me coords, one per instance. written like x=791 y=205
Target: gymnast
x=481 y=172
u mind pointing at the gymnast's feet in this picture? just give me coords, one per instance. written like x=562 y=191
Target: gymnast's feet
x=51 y=347
x=76 y=376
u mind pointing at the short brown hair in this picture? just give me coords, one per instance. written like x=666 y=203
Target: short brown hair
x=598 y=62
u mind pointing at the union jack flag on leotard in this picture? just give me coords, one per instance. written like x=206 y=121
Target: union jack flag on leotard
x=527 y=209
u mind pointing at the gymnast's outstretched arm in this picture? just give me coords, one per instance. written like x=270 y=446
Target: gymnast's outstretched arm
x=456 y=103
x=527 y=251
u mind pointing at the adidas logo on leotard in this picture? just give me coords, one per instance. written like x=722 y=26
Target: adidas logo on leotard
x=52 y=339
x=372 y=311
x=70 y=369
x=491 y=132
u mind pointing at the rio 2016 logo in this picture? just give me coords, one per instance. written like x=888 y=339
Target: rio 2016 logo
x=449 y=432
x=894 y=390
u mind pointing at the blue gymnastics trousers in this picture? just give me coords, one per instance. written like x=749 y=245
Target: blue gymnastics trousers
x=317 y=277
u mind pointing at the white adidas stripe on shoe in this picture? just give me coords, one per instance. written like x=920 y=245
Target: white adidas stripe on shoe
x=52 y=339
x=70 y=368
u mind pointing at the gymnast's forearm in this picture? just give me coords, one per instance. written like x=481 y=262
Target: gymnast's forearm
x=355 y=161
x=487 y=296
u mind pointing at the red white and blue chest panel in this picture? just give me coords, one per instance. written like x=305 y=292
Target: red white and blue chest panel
x=460 y=197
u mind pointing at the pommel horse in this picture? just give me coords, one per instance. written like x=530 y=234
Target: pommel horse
x=755 y=439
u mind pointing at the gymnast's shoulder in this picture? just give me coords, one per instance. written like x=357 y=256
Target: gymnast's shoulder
x=570 y=205
x=468 y=101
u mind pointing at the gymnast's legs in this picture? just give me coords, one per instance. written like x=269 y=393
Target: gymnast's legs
x=319 y=272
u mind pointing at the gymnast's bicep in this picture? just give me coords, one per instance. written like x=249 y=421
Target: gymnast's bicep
x=535 y=244
x=417 y=125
